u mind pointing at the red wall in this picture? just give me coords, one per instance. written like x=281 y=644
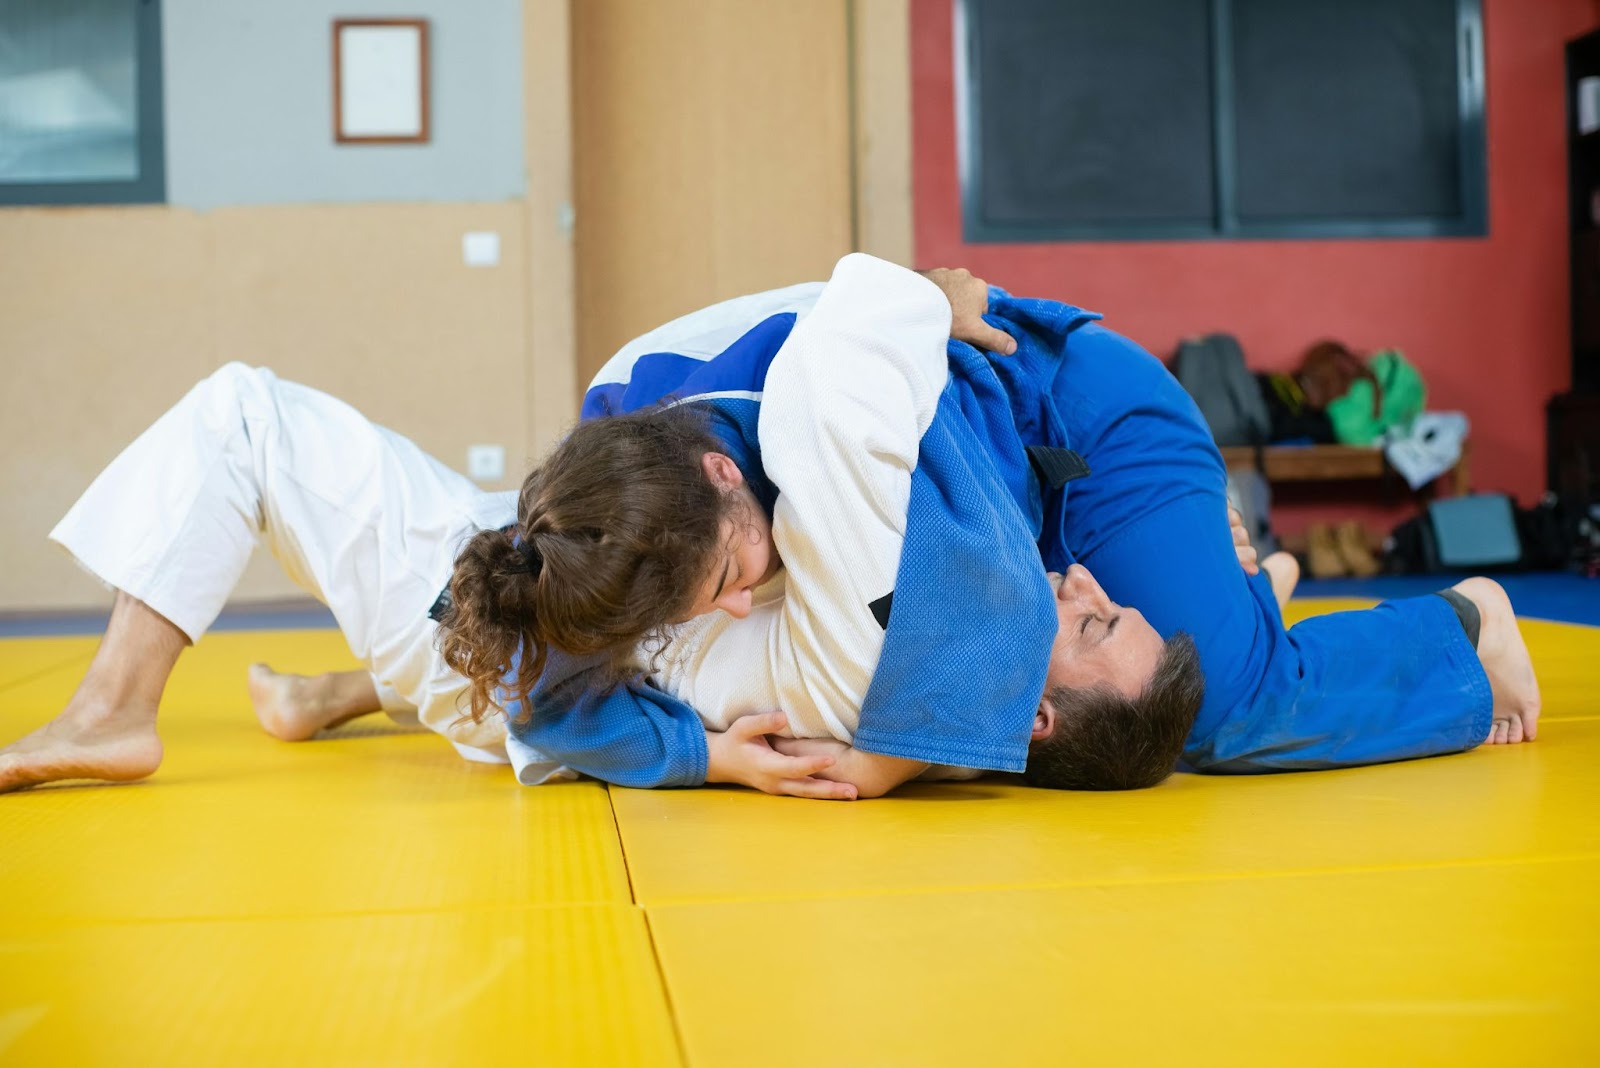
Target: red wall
x=1485 y=319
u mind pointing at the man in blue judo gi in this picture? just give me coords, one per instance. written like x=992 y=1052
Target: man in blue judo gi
x=1076 y=448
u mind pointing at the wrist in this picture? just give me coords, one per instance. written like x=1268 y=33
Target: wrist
x=723 y=765
x=716 y=765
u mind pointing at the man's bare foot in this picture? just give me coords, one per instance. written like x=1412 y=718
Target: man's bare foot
x=1284 y=571
x=293 y=708
x=83 y=744
x=1506 y=661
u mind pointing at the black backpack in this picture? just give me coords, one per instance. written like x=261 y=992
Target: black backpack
x=1212 y=370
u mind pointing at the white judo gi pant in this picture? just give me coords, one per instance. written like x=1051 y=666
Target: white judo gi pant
x=358 y=516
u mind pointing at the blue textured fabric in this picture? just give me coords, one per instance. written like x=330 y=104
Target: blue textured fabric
x=962 y=687
x=668 y=376
x=627 y=733
x=1355 y=688
x=1391 y=683
x=1388 y=683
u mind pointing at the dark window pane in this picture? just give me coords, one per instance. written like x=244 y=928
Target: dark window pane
x=1346 y=109
x=1091 y=113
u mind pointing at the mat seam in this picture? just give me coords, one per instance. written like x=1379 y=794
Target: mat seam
x=666 y=987
x=650 y=932
x=79 y=658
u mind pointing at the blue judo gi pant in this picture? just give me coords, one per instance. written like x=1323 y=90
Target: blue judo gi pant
x=1393 y=682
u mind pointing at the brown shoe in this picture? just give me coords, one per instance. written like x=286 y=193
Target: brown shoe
x=1323 y=557
x=1352 y=542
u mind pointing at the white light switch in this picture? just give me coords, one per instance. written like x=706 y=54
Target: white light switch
x=480 y=248
x=486 y=463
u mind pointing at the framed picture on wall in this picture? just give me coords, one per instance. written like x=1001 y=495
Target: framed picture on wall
x=380 y=81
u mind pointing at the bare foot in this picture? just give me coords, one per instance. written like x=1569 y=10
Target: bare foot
x=1506 y=661
x=81 y=744
x=1284 y=571
x=108 y=729
x=293 y=708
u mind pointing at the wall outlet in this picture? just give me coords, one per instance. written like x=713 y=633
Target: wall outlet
x=486 y=463
x=480 y=248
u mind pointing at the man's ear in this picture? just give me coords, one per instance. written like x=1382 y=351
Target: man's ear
x=1044 y=721
x=721 y=470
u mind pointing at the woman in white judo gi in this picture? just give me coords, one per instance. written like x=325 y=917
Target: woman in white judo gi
x=371 y=526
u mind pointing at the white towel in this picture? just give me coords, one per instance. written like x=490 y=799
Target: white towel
x=1429 y=448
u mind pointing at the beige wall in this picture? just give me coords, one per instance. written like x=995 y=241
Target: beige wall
x=549 y=305
x=721 y=147
x=713 y=156
x=107 y=315
x=881 y=66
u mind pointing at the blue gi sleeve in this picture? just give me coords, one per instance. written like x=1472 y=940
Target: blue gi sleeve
x=628 y=733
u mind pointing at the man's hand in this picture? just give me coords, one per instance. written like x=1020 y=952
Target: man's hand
x=969 y=299
x=743 y=754
x=872 y=774
x=1241 y=542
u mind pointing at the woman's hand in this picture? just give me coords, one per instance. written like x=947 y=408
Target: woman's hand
x=969 y=300
x=872 y=774
x=1241 y=541
x=743 y=754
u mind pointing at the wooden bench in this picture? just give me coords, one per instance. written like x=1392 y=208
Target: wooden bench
x=1328 y=463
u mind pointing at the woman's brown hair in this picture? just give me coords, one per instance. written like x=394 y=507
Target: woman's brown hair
x=615 y=534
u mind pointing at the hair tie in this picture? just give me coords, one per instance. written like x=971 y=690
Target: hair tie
x=532 y=561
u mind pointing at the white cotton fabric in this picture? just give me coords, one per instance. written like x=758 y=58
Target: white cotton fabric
x=1428 y=448
x=359 y=517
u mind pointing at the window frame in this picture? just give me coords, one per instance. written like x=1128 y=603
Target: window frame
x=150 y=187
x=1472 y=157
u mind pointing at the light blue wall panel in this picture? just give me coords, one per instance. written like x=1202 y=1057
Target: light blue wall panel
x=249 y=105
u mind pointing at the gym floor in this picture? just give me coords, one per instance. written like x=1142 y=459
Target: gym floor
x=370 y=898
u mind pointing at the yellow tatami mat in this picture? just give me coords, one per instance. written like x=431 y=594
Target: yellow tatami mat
x=367 y=899
x=1490 y=805
x=529 y=986
x=22 y=659
x=1397 y=967
x=370 y=898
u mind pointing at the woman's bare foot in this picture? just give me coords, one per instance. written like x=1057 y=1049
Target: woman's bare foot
x=1506 y=661
x=1284 y=571
x=80 y=744
x=108 y=729
x=293 y=708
